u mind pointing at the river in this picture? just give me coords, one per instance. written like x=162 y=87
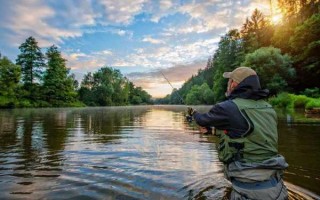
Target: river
x=139 y=152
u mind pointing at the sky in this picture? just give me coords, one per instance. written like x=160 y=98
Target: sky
x=142 y=38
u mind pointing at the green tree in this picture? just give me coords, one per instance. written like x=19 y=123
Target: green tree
x=58 y=86
x=305 y=44
x=200 y=95
x=294 y=14
x=108 y=87
x=297 y=11
x=32 y=65
x=139 y=96
x=227 y=57
x=31 y=61
x=274 y=69
x=256 y=32
x=10 y=75
x=85 y=93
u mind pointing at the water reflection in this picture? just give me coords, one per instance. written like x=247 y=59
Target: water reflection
x=146 y=152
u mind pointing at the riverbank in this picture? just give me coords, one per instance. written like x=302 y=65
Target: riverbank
x=291 y=101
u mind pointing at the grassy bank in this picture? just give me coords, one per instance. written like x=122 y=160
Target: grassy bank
x=292 y=101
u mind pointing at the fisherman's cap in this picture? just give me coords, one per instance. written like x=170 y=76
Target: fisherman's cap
x=239 y=74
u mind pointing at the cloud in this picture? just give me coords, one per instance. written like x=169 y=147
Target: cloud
x=161 y=9
x=152 y=40
x=30 y=18
x=121 y=12
x=91 y=62
x=169 y=55
x=74 y=14
x=103 y=53
x=152 y=81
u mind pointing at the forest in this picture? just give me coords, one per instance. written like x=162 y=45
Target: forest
x=43 y=80
x=284 y=54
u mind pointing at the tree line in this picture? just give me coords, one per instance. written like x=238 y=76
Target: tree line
x=285 y=55
x=43 y=80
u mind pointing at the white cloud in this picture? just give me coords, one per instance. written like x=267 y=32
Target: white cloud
x=78 y=14
x=29 y=18
x=121 y=32
x=122 y=12
x=155 y=83
x=92 y=61
x=152 y=40
x=103 y=53
x=160 y=9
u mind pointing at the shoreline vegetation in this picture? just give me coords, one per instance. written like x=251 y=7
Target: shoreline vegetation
x=291 y=102
x=285 y=54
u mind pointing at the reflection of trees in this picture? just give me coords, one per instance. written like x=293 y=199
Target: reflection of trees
x=29 y=130
x=55 y=129
x=8 y=128
x=34 y=130
x=109 y=121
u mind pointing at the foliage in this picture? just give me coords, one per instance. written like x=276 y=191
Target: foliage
x=138 y=96
x=274 y=69
x=314 y=103
x=228 y=56
x=256 y=32
x=200 y=95
x=108 y=87
x=305 y=44
x=203 y=76
x=58 y=87
x=32 y=65
x=31 y=61
x=9 y=82
x=290 y=101
x=298 y=11
x=283 y=100
x=299 y=101
x=312 y=92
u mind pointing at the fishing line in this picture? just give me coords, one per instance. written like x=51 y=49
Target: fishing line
x=187 y=117
x=181 y=99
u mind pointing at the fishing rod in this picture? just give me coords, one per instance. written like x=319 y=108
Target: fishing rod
x=188 y=117
x=181 y=99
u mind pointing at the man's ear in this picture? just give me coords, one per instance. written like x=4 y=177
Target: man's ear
x=234 y=84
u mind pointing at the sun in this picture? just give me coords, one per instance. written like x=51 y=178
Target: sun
x=276 y=19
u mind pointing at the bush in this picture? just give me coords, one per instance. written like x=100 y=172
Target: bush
x=313 y=103
x=283 y=100
x=300 y=101
x=24 y=103
x=76 y=104
x=290 y=101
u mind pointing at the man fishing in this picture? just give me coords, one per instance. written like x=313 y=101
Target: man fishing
x=247 y=129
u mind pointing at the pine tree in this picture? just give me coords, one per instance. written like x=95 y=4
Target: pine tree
x=31 y=61
x=58 y=86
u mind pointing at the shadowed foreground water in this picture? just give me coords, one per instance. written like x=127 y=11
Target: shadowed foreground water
x=146 y=152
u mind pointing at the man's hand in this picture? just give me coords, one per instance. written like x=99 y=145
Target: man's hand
x=191 y=111
x=205 y=130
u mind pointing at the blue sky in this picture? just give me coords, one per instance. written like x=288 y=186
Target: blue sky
x=138 y=37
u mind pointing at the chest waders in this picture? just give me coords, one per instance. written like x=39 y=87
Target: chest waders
x=259 y=142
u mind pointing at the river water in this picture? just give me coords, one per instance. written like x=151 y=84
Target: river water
x=141 y=152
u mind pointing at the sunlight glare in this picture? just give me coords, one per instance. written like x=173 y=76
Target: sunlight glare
x=276 y=19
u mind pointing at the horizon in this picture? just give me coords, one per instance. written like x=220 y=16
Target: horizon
x=142 y=39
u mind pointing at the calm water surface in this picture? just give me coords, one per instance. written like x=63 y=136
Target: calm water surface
x=147 y=152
